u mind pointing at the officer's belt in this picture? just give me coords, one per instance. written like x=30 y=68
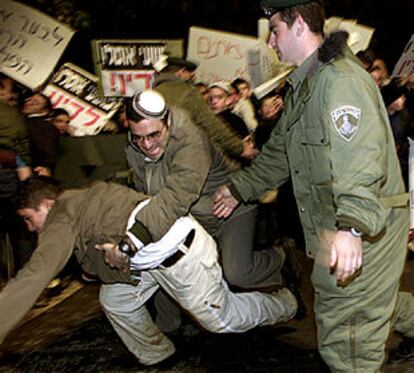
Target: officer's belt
x=397 y=200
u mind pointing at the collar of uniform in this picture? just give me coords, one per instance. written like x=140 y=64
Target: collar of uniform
x=297 y=77
x=166 y=77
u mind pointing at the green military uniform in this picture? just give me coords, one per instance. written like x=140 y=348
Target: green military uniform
x=334 y=141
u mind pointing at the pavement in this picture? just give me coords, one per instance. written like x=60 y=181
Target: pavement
x=71 y=334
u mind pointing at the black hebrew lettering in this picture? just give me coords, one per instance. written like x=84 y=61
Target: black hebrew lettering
x=71 y=81
x=56 y=36
x=18 y=41
x=103 y=103
x=119 y=55
x=5 y=15
x=46 y=32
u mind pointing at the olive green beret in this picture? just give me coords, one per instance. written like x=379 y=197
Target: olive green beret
x=272 y=6
x=175 y=61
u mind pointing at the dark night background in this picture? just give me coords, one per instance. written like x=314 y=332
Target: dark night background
x=172 y=19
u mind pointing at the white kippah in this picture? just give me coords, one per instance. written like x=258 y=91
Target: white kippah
x=149 y=104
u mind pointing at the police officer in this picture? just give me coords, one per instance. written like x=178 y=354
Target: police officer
x=334 y=141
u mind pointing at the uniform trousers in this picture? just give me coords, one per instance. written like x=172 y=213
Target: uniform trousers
x=354 y=319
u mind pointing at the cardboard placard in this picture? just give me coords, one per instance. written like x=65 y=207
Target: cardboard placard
x=225 y=56
x=125 y=67
x=75 y=90
x=405 y=65
x=26 y=37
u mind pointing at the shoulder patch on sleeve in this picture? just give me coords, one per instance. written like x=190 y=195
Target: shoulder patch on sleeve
x=346 y=121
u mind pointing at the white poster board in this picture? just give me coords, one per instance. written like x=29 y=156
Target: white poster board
x=359 y=35
x=126 y=83
x=75 y=90
x=411 y=179
x=225 y=56
x=31 y=43
x=405 y=64
x=125 y=66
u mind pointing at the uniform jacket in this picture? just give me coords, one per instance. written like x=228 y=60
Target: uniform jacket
x=334 y=141
x=183 y=180
x=182 y=94
x=78 y=220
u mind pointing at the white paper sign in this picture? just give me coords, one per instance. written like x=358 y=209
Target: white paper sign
x=75 y=90
x=411 y=180
x=125 y=66
x=359 y=35
x=126 y=83
x=225 y=56
x=31 y=43
x=405 y=64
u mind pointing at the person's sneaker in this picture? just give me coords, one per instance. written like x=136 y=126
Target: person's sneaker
x=288 y=300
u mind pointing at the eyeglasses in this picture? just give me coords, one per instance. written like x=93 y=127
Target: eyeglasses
x=152 y=137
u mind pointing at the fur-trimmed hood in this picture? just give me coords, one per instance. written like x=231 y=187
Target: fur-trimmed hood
x=333 y=46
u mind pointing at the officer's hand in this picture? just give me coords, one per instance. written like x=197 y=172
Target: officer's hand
x=346 y=255
x=223 y=202
x=42 y=171
x=113 y=256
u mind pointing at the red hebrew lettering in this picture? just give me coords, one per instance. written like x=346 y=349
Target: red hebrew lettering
x=211 y=49
x=145 y=77
x=95 y=116
x=112 y=82
x=78 y=109
x=241 y=72
x=122 y=88
x=58 y=101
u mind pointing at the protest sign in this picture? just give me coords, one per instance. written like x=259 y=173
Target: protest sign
x=75 y=90
x=359 y=35
x=405 y=65
x=269 y=86
x=411 y=179
x=27 y=37
x=125 y=67
x=225 y=56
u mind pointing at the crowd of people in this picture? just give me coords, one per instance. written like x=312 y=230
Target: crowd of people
x=209 y=163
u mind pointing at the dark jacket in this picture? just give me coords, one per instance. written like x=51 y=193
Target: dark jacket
x=182 y=181
x=78 y=220
x=44 y=140
x=13 y=133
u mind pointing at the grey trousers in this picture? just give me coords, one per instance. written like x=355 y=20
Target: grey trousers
x=196 y=283
x=243 y=266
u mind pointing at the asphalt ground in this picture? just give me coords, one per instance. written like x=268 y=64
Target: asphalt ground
x=67 y=332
